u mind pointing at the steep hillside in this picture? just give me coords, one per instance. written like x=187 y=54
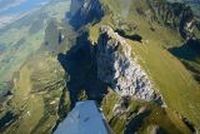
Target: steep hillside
x=194 y=4
x=38 y=90
x=25 y=36
x=149 y=28
x=37 y=97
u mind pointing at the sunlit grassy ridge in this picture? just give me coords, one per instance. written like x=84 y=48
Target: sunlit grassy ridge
x=170 y=77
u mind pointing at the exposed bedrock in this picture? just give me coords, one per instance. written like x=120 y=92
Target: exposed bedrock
x=117 y=67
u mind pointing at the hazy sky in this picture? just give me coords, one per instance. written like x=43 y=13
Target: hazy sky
x=12 y=9
x=19 y=6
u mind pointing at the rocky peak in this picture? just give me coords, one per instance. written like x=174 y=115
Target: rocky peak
x=84 y=11
x=117 y=67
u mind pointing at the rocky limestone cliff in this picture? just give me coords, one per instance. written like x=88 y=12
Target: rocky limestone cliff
x=84 y=11
x=117 y=68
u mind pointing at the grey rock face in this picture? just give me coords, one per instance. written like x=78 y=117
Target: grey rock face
x=116 y=67
x=85 y=11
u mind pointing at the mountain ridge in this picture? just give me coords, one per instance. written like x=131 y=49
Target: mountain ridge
x=110 y=19
x=90 y=55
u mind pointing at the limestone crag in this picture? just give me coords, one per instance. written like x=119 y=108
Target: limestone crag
x=116 y=67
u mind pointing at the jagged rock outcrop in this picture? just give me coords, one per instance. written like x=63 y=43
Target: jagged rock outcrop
x=176 y=15
x=116 y=67
x=84 y=11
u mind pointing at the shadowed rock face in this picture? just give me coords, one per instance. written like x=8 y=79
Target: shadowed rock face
x=116 y=67
x=79 y=64
x=85 y=11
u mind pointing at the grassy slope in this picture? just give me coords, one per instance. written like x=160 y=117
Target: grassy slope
x=39 y=82
x=32 y=113
x=166 y=119
x=27 y=29
x=180 y=90
x=37 y=93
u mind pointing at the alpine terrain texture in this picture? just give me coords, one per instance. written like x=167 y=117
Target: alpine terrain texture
x=102 y=66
